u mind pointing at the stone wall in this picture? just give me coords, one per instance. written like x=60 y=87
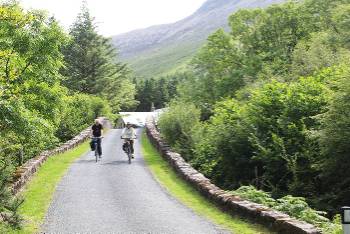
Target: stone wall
x=24 y=173
x=234 y=205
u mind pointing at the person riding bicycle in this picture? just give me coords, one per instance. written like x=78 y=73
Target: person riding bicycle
x=96 y=132
x=129 y=134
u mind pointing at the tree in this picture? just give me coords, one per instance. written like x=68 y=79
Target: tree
x=282 y=116
x=30 y=95
x=341 y=19
x=219 y=68
x=86 y=56
x=334 y=141
x=25 y=38
x=91 y=65
x=30 y=60
x=312 y=55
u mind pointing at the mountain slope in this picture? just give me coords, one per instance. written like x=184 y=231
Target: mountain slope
x=161 y=49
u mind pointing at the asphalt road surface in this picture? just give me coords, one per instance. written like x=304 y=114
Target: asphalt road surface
x=112 y=196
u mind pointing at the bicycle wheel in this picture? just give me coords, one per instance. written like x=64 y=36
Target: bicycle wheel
x=129 y=157
x=129 y=154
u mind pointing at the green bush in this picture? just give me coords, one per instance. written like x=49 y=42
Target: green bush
x=222 y=150
x=252 y=140
x=283 y=120
x=25 y=128
x=79 y=113
x=176 y=126
x=8 y=204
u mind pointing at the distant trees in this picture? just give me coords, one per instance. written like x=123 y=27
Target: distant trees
x=157 y=92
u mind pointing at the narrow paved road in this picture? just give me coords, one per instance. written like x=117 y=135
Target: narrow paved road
x=112 y=196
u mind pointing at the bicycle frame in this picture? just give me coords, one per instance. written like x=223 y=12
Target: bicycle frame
x=128 y=149
x=94 y=140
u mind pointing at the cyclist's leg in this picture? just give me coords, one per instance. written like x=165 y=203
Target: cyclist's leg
x=124 y=146
x=132 y=147
x=99 y=147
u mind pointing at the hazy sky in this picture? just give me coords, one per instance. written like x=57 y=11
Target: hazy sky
x=118 y=16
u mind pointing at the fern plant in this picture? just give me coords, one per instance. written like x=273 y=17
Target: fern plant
x=296 y=207
x=8 y=204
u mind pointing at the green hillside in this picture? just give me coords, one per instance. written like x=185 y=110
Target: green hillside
x=163 y=60
x=161 y=49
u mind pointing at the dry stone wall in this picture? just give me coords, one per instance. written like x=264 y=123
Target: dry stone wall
x=234 y=205
x=24 y=173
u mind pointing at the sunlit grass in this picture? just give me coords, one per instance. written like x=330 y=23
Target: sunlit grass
x=184 y=192
x=39 y=191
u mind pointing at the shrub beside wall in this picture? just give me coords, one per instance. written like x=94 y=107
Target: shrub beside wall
x=274 y=220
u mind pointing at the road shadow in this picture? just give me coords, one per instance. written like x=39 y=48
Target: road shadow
x=120 y=162
x=87 y=161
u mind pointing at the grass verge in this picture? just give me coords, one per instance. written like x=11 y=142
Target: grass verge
x=190 y=197
x=39 y=191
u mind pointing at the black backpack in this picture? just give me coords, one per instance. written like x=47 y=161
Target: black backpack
x=92 y=145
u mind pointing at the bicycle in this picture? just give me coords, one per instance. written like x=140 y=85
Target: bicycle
x=95 y=144
x=127 y=149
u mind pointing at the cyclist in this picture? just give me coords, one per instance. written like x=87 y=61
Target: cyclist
x=129 y=134
x=96 y=132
